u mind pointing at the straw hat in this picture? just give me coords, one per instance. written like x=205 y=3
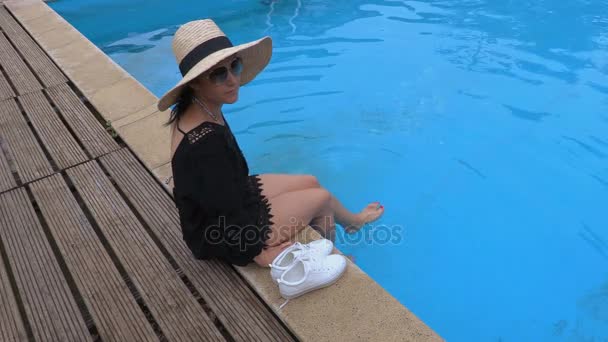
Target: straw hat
x=199 y=45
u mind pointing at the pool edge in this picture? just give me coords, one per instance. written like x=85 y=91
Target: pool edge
x=356 y=306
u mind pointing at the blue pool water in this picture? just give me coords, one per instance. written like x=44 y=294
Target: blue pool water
x=481 y=125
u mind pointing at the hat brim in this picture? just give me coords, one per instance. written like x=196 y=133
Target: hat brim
x=256 y=55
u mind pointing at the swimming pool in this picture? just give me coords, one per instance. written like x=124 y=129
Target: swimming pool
x=481 y=126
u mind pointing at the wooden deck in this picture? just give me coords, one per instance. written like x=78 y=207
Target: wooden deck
x=90 y=243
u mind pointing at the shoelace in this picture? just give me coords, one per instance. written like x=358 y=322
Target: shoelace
x=305 y=249
x=300 y=257
x=305 y=255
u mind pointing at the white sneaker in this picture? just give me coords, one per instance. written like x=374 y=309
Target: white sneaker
x=311 y=272
x=322 y=247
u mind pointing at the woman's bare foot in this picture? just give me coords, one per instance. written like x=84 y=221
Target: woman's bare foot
x=369 y=214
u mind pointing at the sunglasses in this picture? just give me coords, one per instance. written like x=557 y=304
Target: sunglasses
x=219 y=75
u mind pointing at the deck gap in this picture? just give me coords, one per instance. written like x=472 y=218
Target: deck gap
x=121 y=269
x=27 y=63
x=96 y=114
x=22 y=184
x=65 y=124
x=84 y=311
x=11 y=162
x=10 y=83
x=245 y=282
x=43 y=49
x=15 y=288
x=199 y=298
x=42 y=145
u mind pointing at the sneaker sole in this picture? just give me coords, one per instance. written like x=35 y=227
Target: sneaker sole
x=315 y=288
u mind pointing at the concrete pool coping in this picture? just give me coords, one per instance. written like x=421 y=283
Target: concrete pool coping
x=356 y=308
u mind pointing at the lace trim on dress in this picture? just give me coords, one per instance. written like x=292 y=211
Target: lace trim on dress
x=264 y=217
x=197 y=133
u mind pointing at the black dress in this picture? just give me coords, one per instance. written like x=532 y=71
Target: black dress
x=222 y=211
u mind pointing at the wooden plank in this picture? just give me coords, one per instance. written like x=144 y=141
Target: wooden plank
x=57 y=139
x=179 y=315
x=42 y=65
x=18 y=72
x=23 y=149
x=6 y=176
x=11 y=324
x=49 y=305
x=6 y=92
x=112 y=306
x=82 y=121
x=245 y=317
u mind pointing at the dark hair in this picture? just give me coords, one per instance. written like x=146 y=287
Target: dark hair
x=184 y=100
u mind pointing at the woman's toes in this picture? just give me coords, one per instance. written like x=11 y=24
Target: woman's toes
x=369 y=214
x=373 y=212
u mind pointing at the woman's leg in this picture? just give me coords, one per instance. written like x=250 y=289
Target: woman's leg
x=325 y=225
x=336 y=212
x=294 y=210
x=274 y=184
x=291 y=211
x=353 y=222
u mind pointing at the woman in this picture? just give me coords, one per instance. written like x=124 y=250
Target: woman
x=224 y=212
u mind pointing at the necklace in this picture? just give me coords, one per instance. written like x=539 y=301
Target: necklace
x=206 y=109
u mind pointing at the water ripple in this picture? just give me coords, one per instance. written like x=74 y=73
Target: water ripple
x=471 y=168
x=599 y=141
x=542 y=69
x=602 y=181
x=586 y=147
x=290 y=137
x=313 y=78
x=273 y=123
x=291 y=110
x=330 y=40
x=283 y=98
x=281 y=56
x=169 y=32
x=297 y=67
x=498 y=71
x=600 y=88
x=126 y=48
x=398 y=4
x=526 y=114
x=475 y=96
x=427 y=18
x=395 y=153
x=594 y=240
